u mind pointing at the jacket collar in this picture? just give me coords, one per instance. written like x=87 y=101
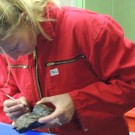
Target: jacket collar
x=52 y=12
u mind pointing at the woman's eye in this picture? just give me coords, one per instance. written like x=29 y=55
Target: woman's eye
x=11 y=50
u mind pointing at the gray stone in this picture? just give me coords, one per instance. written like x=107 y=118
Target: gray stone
x=30 y=120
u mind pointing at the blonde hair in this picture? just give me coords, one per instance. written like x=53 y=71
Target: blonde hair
x=10 y=11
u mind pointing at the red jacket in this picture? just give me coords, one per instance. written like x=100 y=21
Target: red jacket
x=90 y=59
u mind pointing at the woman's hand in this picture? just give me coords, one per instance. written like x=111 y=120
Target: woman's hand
x=63 y=112
x=16 y=108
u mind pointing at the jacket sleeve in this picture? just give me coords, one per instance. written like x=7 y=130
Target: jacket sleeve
x=112 y=57
x=7 y=86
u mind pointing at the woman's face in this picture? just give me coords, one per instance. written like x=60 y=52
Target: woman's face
x=20 y=43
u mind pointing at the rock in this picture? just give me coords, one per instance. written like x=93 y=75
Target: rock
x=30 y=120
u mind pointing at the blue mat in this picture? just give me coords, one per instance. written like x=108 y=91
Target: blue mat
x=6 y=129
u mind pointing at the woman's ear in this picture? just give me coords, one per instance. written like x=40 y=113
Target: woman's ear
x=23 y=18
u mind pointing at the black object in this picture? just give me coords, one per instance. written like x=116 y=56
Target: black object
x=30 y=120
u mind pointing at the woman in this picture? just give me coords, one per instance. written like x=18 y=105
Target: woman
x=77 y=60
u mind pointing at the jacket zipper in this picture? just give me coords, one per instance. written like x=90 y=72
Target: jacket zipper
x=37 y=77
x=18 y=66
x=36 y=74
x=49 y=64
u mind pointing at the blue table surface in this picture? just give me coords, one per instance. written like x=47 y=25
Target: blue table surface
x=7 y=129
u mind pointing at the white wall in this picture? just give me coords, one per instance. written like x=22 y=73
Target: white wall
x=131 y=133
x=68 y=2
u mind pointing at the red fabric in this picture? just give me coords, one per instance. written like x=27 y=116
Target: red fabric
x=101 y=85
